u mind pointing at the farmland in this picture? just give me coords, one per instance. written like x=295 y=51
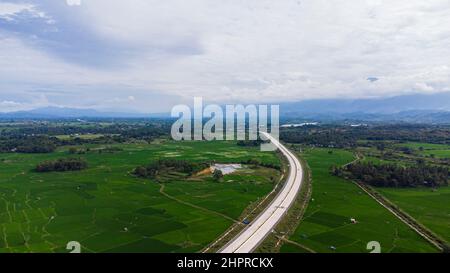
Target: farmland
x=429 y=149
x=85 y=136
x=326 y=226
x=427 y=206
x=124 y=187
x=107 y=209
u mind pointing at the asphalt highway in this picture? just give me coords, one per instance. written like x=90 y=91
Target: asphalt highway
x=253 y=235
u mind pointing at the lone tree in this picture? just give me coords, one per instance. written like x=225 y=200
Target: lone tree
x=217 y=174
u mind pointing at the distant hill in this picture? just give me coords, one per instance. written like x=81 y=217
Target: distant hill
x=429 y=117
x=417 y=108
x=439 y=102
x=62 y=112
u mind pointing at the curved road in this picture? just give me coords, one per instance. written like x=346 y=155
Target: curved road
x=250 y=238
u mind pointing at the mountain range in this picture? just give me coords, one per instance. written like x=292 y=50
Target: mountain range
x=414 y=108
x=415 y=102
x=418 y=108
x=70 y=113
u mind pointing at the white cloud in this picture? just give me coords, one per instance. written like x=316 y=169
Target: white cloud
x=73 y=2
x=7 y=105
x=255 y=50
x=12 y=106
x=7 y=10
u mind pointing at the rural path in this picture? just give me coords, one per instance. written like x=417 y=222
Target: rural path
x=252 y=236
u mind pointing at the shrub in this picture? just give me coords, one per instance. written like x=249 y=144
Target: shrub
x=217 y=174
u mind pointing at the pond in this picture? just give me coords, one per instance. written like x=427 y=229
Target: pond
x=226 y=168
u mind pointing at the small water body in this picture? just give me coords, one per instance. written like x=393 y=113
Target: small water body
x=226 y=168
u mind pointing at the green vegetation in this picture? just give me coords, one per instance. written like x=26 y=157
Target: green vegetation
x=431 y=207
x=45 y=137
x=345 y=136
x=107 y=209
x=75 y=136
x=428 y=149
x=62 y=165
x=428 y=206
x=165 y=166
x=217 y=175
x=393 y=175
x=388 y=155
x=327 y=225
x=143 y=193
x=27 y=144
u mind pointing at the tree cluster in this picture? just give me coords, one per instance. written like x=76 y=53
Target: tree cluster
x=344 y=136
x=28 y=144
x=165 y=165
x=258 y=163
x=217 y=174
x=390 y=175
x=62 y=165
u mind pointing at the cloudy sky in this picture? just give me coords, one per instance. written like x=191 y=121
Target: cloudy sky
x=147 y=55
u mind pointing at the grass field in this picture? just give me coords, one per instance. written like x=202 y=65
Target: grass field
x=85 y=136
x=107 y=210
x=429 y=207
x=327 y=226
x=429 y=149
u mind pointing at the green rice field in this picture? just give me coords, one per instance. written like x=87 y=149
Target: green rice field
x=106 y=209
x=429 y=149
x=327 y=225
x=431 y=207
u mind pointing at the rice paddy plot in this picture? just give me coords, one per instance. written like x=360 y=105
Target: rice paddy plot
x=342 y=218
x=106 y=209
